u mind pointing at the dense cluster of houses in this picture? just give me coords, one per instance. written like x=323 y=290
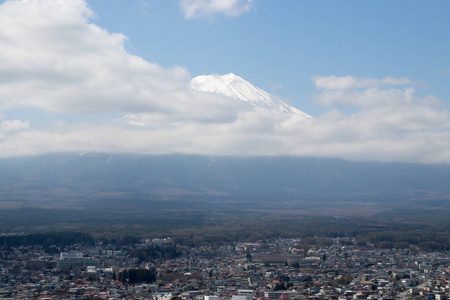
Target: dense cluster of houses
x=274 y=269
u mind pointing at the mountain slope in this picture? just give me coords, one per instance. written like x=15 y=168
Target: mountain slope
x=236 y=87
x=257 y=178
x=97 y=188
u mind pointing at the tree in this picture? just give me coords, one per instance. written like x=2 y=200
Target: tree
x=249 y=256
x=279 y=287
x=138 y=275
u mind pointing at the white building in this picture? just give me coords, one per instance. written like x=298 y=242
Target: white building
x=242 y=297
x=70 y=255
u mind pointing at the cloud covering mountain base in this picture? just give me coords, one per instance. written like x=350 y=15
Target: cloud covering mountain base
x=70 y=85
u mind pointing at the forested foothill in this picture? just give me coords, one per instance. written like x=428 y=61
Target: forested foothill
x=313 y=231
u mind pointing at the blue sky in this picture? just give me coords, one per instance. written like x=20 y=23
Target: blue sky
x=115 y=76
x=280 y=45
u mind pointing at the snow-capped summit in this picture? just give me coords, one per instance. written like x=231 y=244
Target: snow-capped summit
x=236 y=87
x=229 y=85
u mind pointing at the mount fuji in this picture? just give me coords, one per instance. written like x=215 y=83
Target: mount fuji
x=236 y=87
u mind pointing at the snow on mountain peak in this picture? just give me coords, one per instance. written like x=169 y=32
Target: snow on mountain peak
x=229 y=85
x=236 y=87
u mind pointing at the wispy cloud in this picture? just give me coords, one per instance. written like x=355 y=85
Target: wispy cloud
x=349 y=82
x=142 y=6
x=193 y=9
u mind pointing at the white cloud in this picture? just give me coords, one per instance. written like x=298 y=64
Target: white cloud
x=13 y=125
x=53 y=59
x=350 y=82
x=334 y=82
x=363 y=92
x=207 y=8
x=391 y=123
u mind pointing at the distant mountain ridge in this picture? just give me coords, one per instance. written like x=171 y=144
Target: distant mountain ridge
x=236 y=87
x=184 y=177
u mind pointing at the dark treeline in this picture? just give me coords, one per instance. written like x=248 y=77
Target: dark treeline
x=47 y=239
x=121 y=240
x=314 y=232
x=427 y=241
x=64 y=238
x=154 y=252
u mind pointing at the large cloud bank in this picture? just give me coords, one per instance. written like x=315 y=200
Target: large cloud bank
x=68 y=85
